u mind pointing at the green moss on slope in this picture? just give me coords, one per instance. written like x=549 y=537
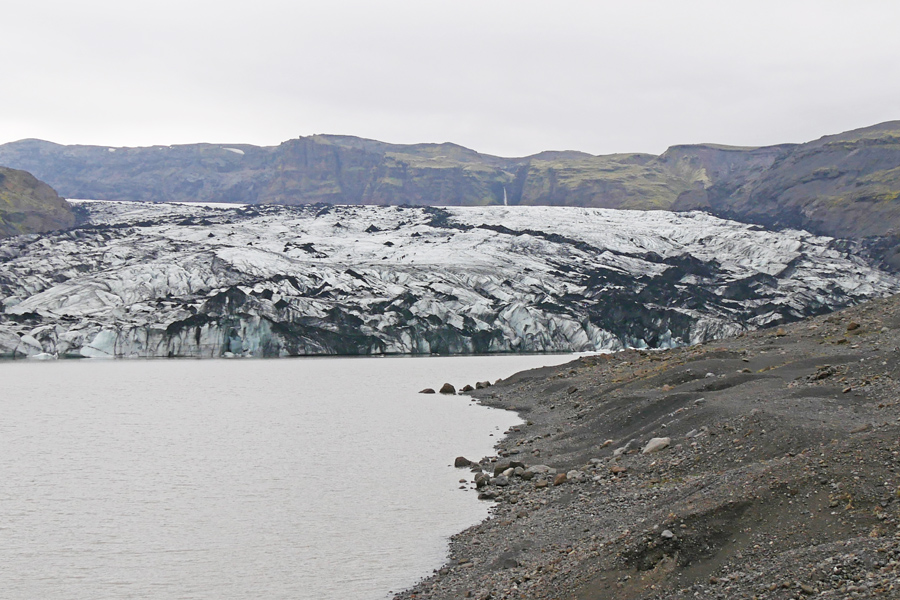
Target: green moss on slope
x=635 y=181
x=28 y=205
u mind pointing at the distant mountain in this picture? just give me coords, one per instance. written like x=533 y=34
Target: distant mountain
x=347 y=170
x=30 y=206
x=844 y=185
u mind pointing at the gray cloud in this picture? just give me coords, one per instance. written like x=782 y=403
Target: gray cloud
x=504 y=77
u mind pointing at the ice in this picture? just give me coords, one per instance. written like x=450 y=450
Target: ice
x=145 y=279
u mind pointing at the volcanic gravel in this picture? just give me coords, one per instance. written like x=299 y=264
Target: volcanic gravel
x=780 y=478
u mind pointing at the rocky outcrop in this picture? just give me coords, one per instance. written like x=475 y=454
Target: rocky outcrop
x=845 y=185
x=156 y=280
x=30 y=206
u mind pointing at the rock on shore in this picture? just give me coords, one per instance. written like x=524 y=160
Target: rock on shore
x=781 y=479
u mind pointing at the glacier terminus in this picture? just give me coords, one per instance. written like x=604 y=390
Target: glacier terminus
x=189 y=280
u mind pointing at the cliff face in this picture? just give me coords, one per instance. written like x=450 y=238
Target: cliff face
x=845 y=185
x=635 y=181
x=30 y=206
x=347 y=170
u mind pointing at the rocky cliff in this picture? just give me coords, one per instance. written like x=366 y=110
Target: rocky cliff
x=348 y=170
x=30 y=206
x=844 y=185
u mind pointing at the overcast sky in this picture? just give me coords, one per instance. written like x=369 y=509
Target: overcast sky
x=507 y=77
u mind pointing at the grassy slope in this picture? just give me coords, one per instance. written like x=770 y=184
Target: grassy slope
x=28 y=205
x=845 y=185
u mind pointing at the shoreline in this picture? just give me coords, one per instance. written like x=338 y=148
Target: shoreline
x=779 y=479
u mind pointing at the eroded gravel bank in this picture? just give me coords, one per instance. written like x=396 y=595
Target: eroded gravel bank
x=780 y=481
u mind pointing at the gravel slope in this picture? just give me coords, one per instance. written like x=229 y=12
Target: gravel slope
x=780 y=480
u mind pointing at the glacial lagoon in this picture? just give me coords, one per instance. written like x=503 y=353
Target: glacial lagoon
x=326 y=478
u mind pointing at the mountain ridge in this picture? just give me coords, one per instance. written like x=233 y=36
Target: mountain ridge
x=842 y=185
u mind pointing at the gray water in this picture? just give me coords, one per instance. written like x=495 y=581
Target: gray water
x=302 y=479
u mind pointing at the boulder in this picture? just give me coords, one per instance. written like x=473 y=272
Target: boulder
x=447 y=389
x=482 y=384
x=427 y=391
x=538 y=469
x=575 y=476
x=656 y=444
x=462 y=461
x=467 y=388
x=559 y=479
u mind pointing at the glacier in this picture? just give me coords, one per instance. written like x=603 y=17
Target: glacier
x=208 y=281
